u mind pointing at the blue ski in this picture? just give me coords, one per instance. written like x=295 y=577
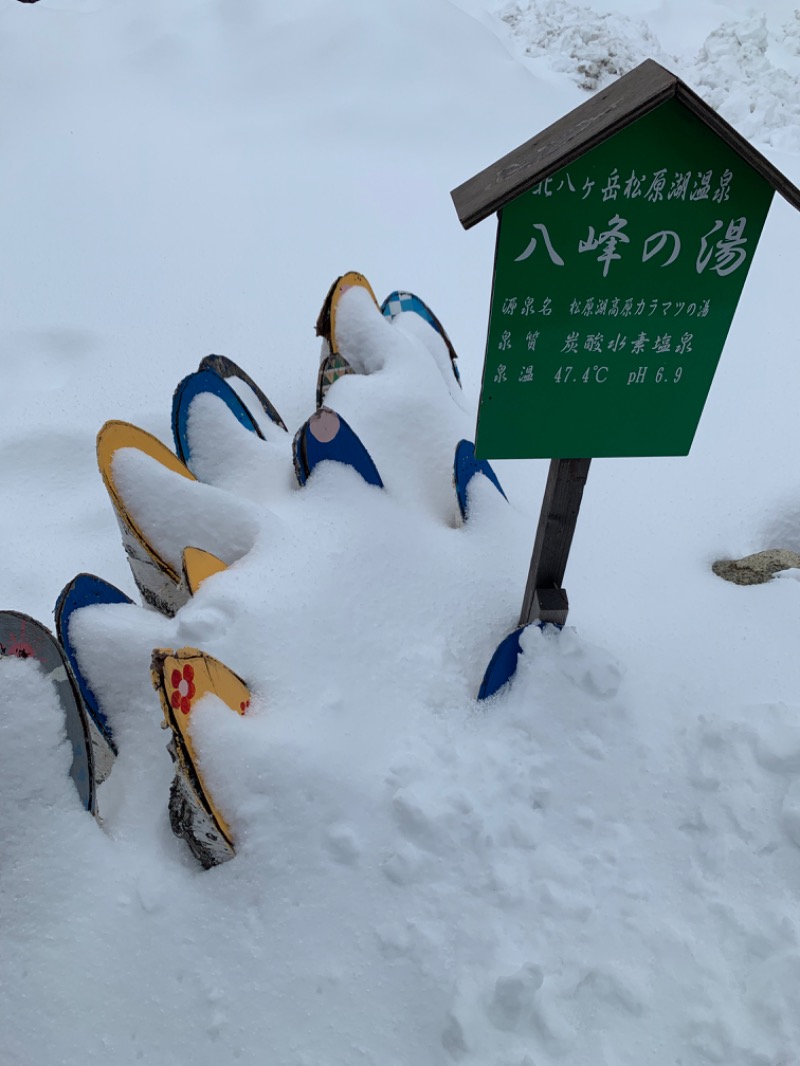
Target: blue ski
x=326 y=436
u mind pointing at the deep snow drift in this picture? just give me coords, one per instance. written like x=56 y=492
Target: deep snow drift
x=603 y=865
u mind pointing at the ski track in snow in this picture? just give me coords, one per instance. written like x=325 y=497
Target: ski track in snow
x=599 y=866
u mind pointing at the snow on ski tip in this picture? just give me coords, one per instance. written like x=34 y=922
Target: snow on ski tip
x=87 y=590
x=400 y=303
x=162 y=508
x=333 y=364
x=155 y=577
x=199 y=383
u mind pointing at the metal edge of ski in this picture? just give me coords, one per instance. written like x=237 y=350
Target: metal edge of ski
x=26 y=638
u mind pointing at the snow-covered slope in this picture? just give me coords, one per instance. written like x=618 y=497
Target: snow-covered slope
x=602 y=865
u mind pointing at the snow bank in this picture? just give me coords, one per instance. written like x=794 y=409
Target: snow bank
x=746 y=67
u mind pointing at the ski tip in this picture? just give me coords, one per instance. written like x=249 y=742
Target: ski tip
x=196 y=384
x=332 y=367
x=115 y=435
x=85 y=590
x=202 y=673
x=502 y=665
x=465 y=468
x=158 y=581
x=400 y=302
x=326 y=320
x=198 y=566
x=226 y=368
x=182 y=678
x=327 y=437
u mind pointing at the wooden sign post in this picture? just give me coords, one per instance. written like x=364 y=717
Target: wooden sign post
x=625 y=234
x=545 y=597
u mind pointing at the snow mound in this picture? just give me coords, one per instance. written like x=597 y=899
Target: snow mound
x=749 y=72
x=594 y=49
x=747 y=68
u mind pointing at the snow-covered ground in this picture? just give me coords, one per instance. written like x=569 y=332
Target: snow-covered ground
x=602 y=866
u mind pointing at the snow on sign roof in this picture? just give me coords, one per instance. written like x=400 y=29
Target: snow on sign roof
x=609 y=111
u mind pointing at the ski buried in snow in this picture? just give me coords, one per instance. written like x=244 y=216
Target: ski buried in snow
x=397 y=303
x=333 y=364
x=156 y=579
x=181 y=679
x=326 y=436
x=25 y=638
x=87 y=590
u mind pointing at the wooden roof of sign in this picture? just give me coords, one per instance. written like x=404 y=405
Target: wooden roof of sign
x=609 y=111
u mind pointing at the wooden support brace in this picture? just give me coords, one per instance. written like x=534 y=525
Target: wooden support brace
x=545 y=599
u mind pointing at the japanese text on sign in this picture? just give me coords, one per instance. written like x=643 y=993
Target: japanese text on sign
x=615 y=284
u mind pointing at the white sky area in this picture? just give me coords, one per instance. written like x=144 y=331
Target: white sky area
x=601 y=867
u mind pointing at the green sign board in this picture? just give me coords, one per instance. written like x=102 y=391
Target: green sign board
x=616 y=280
